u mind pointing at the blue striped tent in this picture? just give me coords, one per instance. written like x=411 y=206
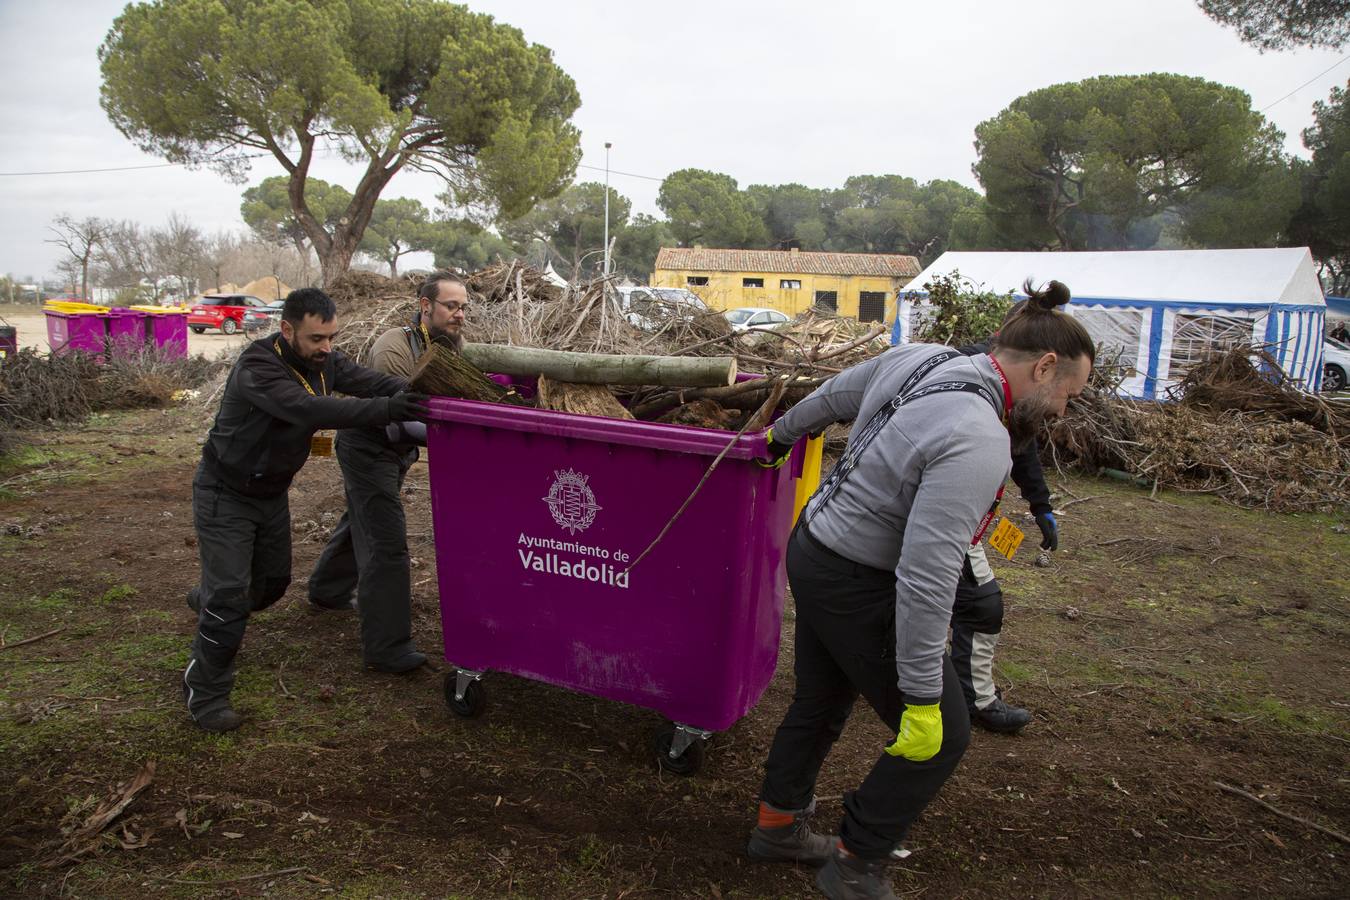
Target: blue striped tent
x=1159 y=311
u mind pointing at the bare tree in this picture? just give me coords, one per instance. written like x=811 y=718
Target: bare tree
x=81 y=240
x=126 y=259
x=217 y=250
x=178 y=250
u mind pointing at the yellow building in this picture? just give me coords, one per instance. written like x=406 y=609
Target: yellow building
x=862 y=285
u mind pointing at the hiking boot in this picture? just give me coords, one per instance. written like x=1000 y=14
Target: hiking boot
x=219 y=721
x=785 y=835
x=846 y=877
x=409 y=661
x=1000 y=717
x=341 y=604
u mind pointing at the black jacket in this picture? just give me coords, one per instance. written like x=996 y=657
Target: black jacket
x=261 y=435
x=1027 y=473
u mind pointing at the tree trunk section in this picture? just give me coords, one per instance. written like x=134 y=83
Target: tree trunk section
x=580 y=399
x=443 y=373
x=601 y=368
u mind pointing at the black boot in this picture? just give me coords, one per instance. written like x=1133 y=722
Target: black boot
x=1000 y=717
x=847 y=877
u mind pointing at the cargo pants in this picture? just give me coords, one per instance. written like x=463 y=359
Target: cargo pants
x=845 y=646
x=368 y=552
x=244 y=546
x=977 y=619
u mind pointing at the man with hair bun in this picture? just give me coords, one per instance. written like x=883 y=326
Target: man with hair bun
x=278 y=395
x=367 y=555
x=874 y=563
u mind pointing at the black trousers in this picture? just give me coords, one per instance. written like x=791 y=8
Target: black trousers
x=368 y=552
x=845 y=646
x=977 y=619
x=244 y=545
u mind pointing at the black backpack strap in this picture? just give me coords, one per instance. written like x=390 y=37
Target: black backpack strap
x=909 y=392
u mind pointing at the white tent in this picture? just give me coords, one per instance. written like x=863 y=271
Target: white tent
x=1162 y=310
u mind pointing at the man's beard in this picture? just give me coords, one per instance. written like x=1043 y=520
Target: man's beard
x=454 y=341
x=1026 y=417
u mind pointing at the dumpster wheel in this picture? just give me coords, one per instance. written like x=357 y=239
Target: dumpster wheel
x=468 y=701
x=689 y=745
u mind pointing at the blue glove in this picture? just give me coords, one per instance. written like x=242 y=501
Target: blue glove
x=1049 y=531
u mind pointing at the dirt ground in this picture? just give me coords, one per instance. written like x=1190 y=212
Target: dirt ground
x=31 y=326
x=1174 y=643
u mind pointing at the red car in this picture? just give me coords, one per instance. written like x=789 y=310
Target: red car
x=223 y=311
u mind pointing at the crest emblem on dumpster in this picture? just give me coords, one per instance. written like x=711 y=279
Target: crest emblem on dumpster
x=571 y=500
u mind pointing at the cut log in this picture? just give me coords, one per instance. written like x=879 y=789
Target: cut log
x=602 y=368
x=444 y=373
x=701 y=414
x=581 y=399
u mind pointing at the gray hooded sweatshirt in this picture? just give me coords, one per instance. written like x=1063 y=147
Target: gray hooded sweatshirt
x=918 y=493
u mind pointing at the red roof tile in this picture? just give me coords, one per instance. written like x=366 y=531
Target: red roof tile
x=885 y=265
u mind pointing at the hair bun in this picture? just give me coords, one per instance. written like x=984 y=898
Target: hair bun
x=1052 y=295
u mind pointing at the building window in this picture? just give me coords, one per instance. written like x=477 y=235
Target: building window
x=828 y=300
x=696 y=279
x=871 y=306
x=752 y=282
x=789 y=284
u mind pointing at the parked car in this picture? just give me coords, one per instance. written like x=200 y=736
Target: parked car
x=264 y=320
x=644 y=307
x=748 y=317
x=1335 y=365
x=223 y=311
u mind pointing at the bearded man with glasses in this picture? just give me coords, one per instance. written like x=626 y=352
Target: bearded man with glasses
x=367 y=556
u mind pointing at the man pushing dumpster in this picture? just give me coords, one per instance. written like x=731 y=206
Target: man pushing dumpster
x=278 y=395
x=874 y=563
x=368 y=552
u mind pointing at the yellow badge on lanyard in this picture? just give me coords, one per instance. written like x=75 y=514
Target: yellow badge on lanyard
x=1006 y=538
x=321 y=445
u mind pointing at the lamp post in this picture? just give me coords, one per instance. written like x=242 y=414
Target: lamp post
x=607 y=146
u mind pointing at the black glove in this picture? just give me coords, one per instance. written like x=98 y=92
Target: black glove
x=778 y=453
x=1049 y=530
x=408 y=405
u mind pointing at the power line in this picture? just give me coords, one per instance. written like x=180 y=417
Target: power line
x=617 y=172
x=1306 y=83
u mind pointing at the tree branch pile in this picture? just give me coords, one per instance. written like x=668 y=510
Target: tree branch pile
x=1232 y=428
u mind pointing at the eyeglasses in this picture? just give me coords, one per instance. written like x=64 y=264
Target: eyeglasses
x=453 y=307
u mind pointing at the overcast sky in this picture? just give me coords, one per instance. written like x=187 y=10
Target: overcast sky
x=768 y=92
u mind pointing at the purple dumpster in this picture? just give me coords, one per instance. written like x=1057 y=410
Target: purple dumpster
x=9 y=342
x=167 y=333
x=539 y=584
x=85 y=332
x=126 y=331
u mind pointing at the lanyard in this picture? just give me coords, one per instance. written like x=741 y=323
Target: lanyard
x=276 y=345
x=1007 y=389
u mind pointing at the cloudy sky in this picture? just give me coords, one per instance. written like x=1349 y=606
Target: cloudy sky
x=768 y=92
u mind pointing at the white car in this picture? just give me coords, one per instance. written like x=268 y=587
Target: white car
x=1335 y=365
x=748 y=317
x=645 y=307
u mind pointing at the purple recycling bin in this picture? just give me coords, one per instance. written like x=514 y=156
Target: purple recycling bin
x=126 y=331
x=70 y=332
x=537 y=514
x=167 y=333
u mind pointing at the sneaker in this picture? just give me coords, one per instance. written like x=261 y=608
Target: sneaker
x=846 y=877
x=409 y=661
x=219 y=721
x=785 y=835
x=1000 y=717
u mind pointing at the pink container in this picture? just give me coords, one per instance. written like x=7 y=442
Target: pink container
x=126 y=330
x=70 y=332
x=167 y=333
x=537 y=515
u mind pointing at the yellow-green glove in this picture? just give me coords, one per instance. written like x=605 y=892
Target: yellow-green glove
x=778 y=453
x=920 y=735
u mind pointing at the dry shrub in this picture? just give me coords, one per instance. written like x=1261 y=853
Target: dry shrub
x=1235 y=428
